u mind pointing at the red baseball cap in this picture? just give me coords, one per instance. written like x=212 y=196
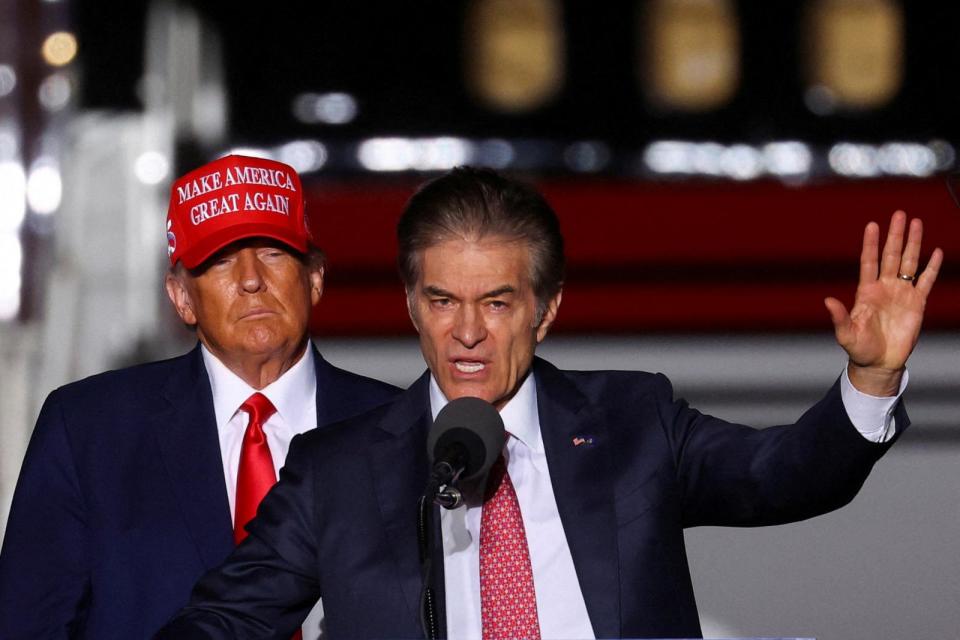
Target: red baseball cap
x=233 y=198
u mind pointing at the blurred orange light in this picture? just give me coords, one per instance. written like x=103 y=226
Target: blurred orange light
x=60 y=48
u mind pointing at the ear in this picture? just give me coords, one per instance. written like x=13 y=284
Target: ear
x=316 y=285
x=411 y=309
x=549 y=315
x=180 y=297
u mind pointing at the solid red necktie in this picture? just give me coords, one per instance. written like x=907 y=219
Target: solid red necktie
x=508 y=601
x=256 y=473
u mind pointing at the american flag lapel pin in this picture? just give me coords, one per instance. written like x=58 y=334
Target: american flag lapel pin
x=580 y=440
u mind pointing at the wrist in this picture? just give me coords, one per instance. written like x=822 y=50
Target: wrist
x=875 y=381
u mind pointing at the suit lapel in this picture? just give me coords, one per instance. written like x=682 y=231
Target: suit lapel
x=332 y=406
x=399 y=461
x=583 y=491
x=187 y=438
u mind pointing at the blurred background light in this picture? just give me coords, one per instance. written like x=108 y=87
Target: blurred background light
x=405 y=154
x=788 y=158
x=13 y=185
x=60 y=48
x=9 y=145
x=11 y=257
x=907 y=159
x=944 y=152
x=325 y=108
x=255 y=152
x=741 y=162
x=151 y=167
x=44 y=186
x=55 y=92
x=588 y=156
x=8 y=80
x=303 y=155
x=856 y=160
x=495 y=153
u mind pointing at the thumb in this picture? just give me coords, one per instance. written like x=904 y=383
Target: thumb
x=840 y=318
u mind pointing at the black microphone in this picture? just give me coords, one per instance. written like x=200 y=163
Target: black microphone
x=465 y=441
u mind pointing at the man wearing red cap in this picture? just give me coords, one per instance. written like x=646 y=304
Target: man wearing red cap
x=137 y=481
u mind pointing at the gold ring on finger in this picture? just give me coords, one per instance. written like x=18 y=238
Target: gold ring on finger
x=908 y=278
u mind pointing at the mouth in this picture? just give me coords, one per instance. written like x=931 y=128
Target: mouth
x=259 y=312
x=469 y=366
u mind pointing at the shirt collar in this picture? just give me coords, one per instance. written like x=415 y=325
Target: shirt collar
x=520 y=415
x=286 y=392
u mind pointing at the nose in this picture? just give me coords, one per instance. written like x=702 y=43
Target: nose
x=469 y=328
x=249 y=275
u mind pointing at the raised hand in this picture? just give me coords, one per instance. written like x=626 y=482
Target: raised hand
x=882 y=328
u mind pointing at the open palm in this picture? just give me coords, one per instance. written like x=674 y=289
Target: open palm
x=882 y=328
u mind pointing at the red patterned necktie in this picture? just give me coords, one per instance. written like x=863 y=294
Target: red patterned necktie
x=256 y=474
x=508 y=601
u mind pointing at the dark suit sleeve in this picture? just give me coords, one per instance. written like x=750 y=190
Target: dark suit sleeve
x=44 y=573
x=270 y=582
x=735 y=475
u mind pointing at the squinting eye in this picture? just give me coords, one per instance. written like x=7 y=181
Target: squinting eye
x=498 y=305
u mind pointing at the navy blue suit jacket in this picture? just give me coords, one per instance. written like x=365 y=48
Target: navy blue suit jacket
x=121 y=504
x=341 y=521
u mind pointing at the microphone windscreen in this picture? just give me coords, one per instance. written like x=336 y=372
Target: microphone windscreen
x=473 y=424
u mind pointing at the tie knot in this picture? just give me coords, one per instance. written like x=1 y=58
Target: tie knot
x=259 y=407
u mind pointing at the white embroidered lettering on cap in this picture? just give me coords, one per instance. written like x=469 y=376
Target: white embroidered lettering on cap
x=258 y=175
x=199 y=186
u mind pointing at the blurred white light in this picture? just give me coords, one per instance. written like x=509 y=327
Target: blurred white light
x=787 y=158
x=907 y=159
x=858 y=160
x=436 y=154
x=587 y=156
x=945 y=153
x=495 y=153
x=9 y=144
x=55 y=92
x=741 y=162
x=44 y=187
x=386 y=154
x=707 y=158
x=151 y=167
x=668 y=156
x=13 y=192
x=326 y=108
x=304 y=155
x=11 y=257
x=8 y=80
x=404 y=154
x=253 y=152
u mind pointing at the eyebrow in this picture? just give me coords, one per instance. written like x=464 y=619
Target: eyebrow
x=432 y=290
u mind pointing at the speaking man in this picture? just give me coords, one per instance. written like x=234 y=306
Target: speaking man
x=579 y=530
x=138 y=481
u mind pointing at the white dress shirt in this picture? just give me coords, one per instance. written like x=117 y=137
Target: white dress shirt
x=294 y=395
x=560 y=605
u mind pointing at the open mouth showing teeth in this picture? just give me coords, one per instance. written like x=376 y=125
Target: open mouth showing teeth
x=468 y=367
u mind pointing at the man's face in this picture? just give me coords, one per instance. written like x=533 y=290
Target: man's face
x=252 y=299
x=475 y=310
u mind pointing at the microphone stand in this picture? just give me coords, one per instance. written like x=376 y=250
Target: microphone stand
x=440 y=490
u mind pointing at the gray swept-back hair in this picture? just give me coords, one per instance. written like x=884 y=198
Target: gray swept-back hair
x=474 y=203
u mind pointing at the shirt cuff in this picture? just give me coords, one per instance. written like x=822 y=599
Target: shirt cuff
x=872 y=416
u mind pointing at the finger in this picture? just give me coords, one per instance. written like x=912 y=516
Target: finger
x=868 y=255
x=929 y=275
x=910 y=261
x=890 y=261
x=840 y=318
